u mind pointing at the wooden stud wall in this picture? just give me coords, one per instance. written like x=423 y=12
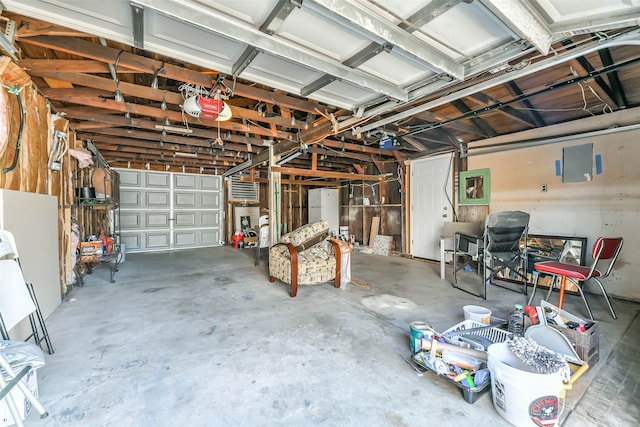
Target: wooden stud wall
x=31 y=173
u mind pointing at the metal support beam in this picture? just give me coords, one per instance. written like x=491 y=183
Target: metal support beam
x=359 y=15
x=359 y=58
x=317 y=84
x=631 y=38
x=245 y=59
x=428 y=13
x=523 y=21
x=616 y=87
x=211 y=20
x=137 y=19
x=278 y=15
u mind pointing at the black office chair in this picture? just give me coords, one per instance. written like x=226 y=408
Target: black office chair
x=498 y=253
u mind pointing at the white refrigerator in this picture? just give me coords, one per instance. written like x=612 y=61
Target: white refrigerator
x=323 y=204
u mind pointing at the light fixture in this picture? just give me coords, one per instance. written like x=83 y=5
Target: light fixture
x=292 y=155
x=238 y=168
x=163 y=106
x=166 y=121
x=174 y=129
x=181 y=154
x=289 y=157
x=118 y=95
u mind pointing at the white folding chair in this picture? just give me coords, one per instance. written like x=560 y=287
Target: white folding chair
x=17 y=297
x=18 y=360
x=263 y=236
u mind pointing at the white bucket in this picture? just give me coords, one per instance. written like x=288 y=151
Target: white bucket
x=344 y=230
x=477 y=314
x=522 y=396
x=123 y=253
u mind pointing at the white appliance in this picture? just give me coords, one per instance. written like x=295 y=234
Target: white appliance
x=323 y=204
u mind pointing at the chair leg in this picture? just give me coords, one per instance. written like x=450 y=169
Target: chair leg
x=584 y=298
x=294 y=276
x=535 y=285
x=606 y=297
x=551 y=286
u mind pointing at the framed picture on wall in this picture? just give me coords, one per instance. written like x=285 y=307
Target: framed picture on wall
x=475 y=187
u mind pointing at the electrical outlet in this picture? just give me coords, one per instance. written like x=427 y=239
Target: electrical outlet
x=543 y=188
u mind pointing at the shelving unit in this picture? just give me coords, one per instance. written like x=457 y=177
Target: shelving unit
x=97 y=212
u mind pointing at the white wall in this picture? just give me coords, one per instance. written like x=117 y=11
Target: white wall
x=607 y=206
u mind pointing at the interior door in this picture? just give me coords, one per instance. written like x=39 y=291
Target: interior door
x=430 y=205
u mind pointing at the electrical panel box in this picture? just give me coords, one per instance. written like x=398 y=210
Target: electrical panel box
x=323 y=205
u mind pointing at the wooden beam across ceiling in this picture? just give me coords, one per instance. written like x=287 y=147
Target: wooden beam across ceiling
x=87 y=49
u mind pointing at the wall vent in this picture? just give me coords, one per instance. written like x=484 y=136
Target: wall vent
x=244 y=191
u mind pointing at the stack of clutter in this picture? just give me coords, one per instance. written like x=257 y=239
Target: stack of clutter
x=528 y=367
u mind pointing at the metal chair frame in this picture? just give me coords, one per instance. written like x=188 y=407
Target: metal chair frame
x=604 y=249
x=500 y=237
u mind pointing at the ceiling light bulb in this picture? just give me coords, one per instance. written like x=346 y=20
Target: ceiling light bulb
x=154 y=83
x=118 y=96
x=293 y=121
x=166 y=121
x=163 y=106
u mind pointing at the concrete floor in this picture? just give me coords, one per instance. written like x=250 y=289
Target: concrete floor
x=202 y=338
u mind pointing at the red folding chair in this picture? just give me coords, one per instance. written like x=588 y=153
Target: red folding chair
x=605 y=252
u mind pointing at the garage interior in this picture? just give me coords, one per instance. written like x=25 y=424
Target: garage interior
x=182 y=120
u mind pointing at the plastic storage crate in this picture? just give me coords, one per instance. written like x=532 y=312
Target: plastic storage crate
x=470 y=394
x=465 y=329
x=586 y=344
x=472 y=328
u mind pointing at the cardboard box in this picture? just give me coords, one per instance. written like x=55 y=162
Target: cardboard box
x=90 y=251
x=23 y=405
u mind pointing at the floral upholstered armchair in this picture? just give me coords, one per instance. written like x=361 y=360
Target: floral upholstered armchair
x=306 y=256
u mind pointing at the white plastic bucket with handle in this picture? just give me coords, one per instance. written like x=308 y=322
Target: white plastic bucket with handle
x=522 y=396
x=477 y=313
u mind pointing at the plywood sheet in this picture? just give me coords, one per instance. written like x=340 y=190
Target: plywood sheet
x=375 y=226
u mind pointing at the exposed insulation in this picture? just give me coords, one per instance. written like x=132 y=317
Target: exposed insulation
x=32 y=173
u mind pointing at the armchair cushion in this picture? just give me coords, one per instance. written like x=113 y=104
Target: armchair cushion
x=304 y=257
x=307 y=235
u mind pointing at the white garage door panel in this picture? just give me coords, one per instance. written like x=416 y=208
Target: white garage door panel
x=209 y=183
x=185 y=238
x=158 y=180
x=185 y=219
x=130 y=198
x=164 y=210
x=210 y=219
x=209 y=237
x=157 y=199
x=184 y=200
x=130 y=178
x=184 y=182
x=210 y=201
x=130 y=220
x=156 y=219
x=159 y=240
x=133 y=241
